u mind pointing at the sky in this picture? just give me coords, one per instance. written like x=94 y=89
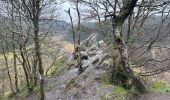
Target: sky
x=64 y=15
x=66 y=6
x=60 y=11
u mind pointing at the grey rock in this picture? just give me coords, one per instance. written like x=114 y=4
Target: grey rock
x=88 y=85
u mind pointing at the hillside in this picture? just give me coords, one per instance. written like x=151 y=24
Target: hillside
x=84 y=50
x=94 y=83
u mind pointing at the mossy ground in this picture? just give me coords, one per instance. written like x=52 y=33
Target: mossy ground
x=161 y=87
x=57 y=66
x=121 y=93
x=60 y=66
x=22 y=93
x=118 y=92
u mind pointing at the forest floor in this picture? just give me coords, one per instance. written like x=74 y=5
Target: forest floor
x=160 y=93
x=152 y=95
x=159 y=84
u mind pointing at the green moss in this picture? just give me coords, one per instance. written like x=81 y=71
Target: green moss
x=109 y=95
x=118 y=93
x=23 y=93
x=1 y=97
x=106 y=79
x=121 y=93
x=57 y=67
x=36 y=89
x=161 y=86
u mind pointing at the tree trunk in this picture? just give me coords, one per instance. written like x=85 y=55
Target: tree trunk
x=15 y=70
x=123 y=72
x=7 y=67
x=34 y=70
x=72 y=27
x=78 y=39
x=3 y=82
x=36 y=12
x=41 y=71
x=14 y=53
x=25 y=69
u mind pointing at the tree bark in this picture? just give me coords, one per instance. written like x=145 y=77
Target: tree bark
x=34 y=70
x=72 y=27
x=122 y=72
x=15 y=68
x=14 y=53
x=36 y=15
x=78 y=39
x=25 y=69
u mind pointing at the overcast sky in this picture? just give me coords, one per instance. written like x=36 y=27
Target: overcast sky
x=66 y=6
x=64 y=15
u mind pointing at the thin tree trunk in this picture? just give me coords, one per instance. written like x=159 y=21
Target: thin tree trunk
x=14 y=53
x=16 y=74
x=15 y=69
x=72 y=27
x=25 y=69
x=78 y=39
x=36 y=15
x=34 y=69
x=3 y=84
x=7 y=67
x=27 y=66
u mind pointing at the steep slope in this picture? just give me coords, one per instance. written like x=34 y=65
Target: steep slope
x=93 y=83
x=88 y=85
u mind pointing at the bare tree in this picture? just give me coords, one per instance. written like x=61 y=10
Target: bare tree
x=6 y=64
x=72 y=26
x=14 y=53
x=76 y=37
x=31 y=10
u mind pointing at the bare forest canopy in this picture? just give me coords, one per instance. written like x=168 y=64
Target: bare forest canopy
x=73 y=49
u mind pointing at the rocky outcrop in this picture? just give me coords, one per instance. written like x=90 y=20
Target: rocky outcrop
x=90 y=84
